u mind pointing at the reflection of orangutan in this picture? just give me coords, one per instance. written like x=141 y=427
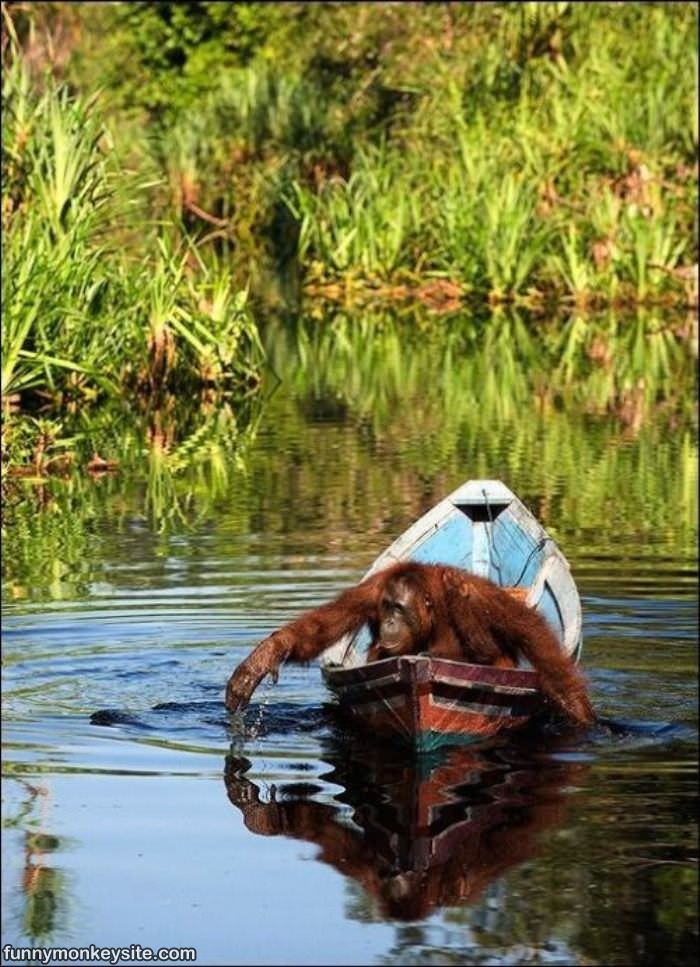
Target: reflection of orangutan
x=411 y=607
x=418 y=844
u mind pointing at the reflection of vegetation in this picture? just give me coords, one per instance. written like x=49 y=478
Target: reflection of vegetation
x=205 y=458
x=644 y=880
x=438 y=408
x=44 y=886
x=375 y=421
x=490 y=400
x=676 y=889
x=630 y=368
x=174 y=464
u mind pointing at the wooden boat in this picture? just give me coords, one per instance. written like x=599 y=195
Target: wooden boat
x=484 y=528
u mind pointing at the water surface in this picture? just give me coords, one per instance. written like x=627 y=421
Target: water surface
x=136 y=810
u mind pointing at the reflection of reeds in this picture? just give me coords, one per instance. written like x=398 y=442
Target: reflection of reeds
x=44 y=885
x=498 y=362
x=185 y=475
x=174 y=464
x=379 y=419
x=489 y=399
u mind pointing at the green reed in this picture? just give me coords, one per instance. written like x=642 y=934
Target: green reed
x=526 y=154
x=568 y=176
x=83 y=317
x=523 y=152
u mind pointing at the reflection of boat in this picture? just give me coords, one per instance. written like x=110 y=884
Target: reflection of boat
x=420 y=833
x=482 y=527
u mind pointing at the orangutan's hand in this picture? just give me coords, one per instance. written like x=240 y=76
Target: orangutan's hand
x=265 y=660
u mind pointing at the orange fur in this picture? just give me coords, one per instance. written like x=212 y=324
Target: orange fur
x=453 y=614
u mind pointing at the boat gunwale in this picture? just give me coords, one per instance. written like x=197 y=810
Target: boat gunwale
x=447 y=671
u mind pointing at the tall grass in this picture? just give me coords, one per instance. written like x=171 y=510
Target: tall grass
x=504 y=153
x=55 y=208
x=363 y=225
x=522 y=151
x=80 y=313
x=570 y=171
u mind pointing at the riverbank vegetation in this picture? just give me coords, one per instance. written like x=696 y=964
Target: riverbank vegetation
x=519 y=180
x=84 y=314
x=529 y=152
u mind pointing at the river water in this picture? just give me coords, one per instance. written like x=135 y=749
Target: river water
x=137 y=811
